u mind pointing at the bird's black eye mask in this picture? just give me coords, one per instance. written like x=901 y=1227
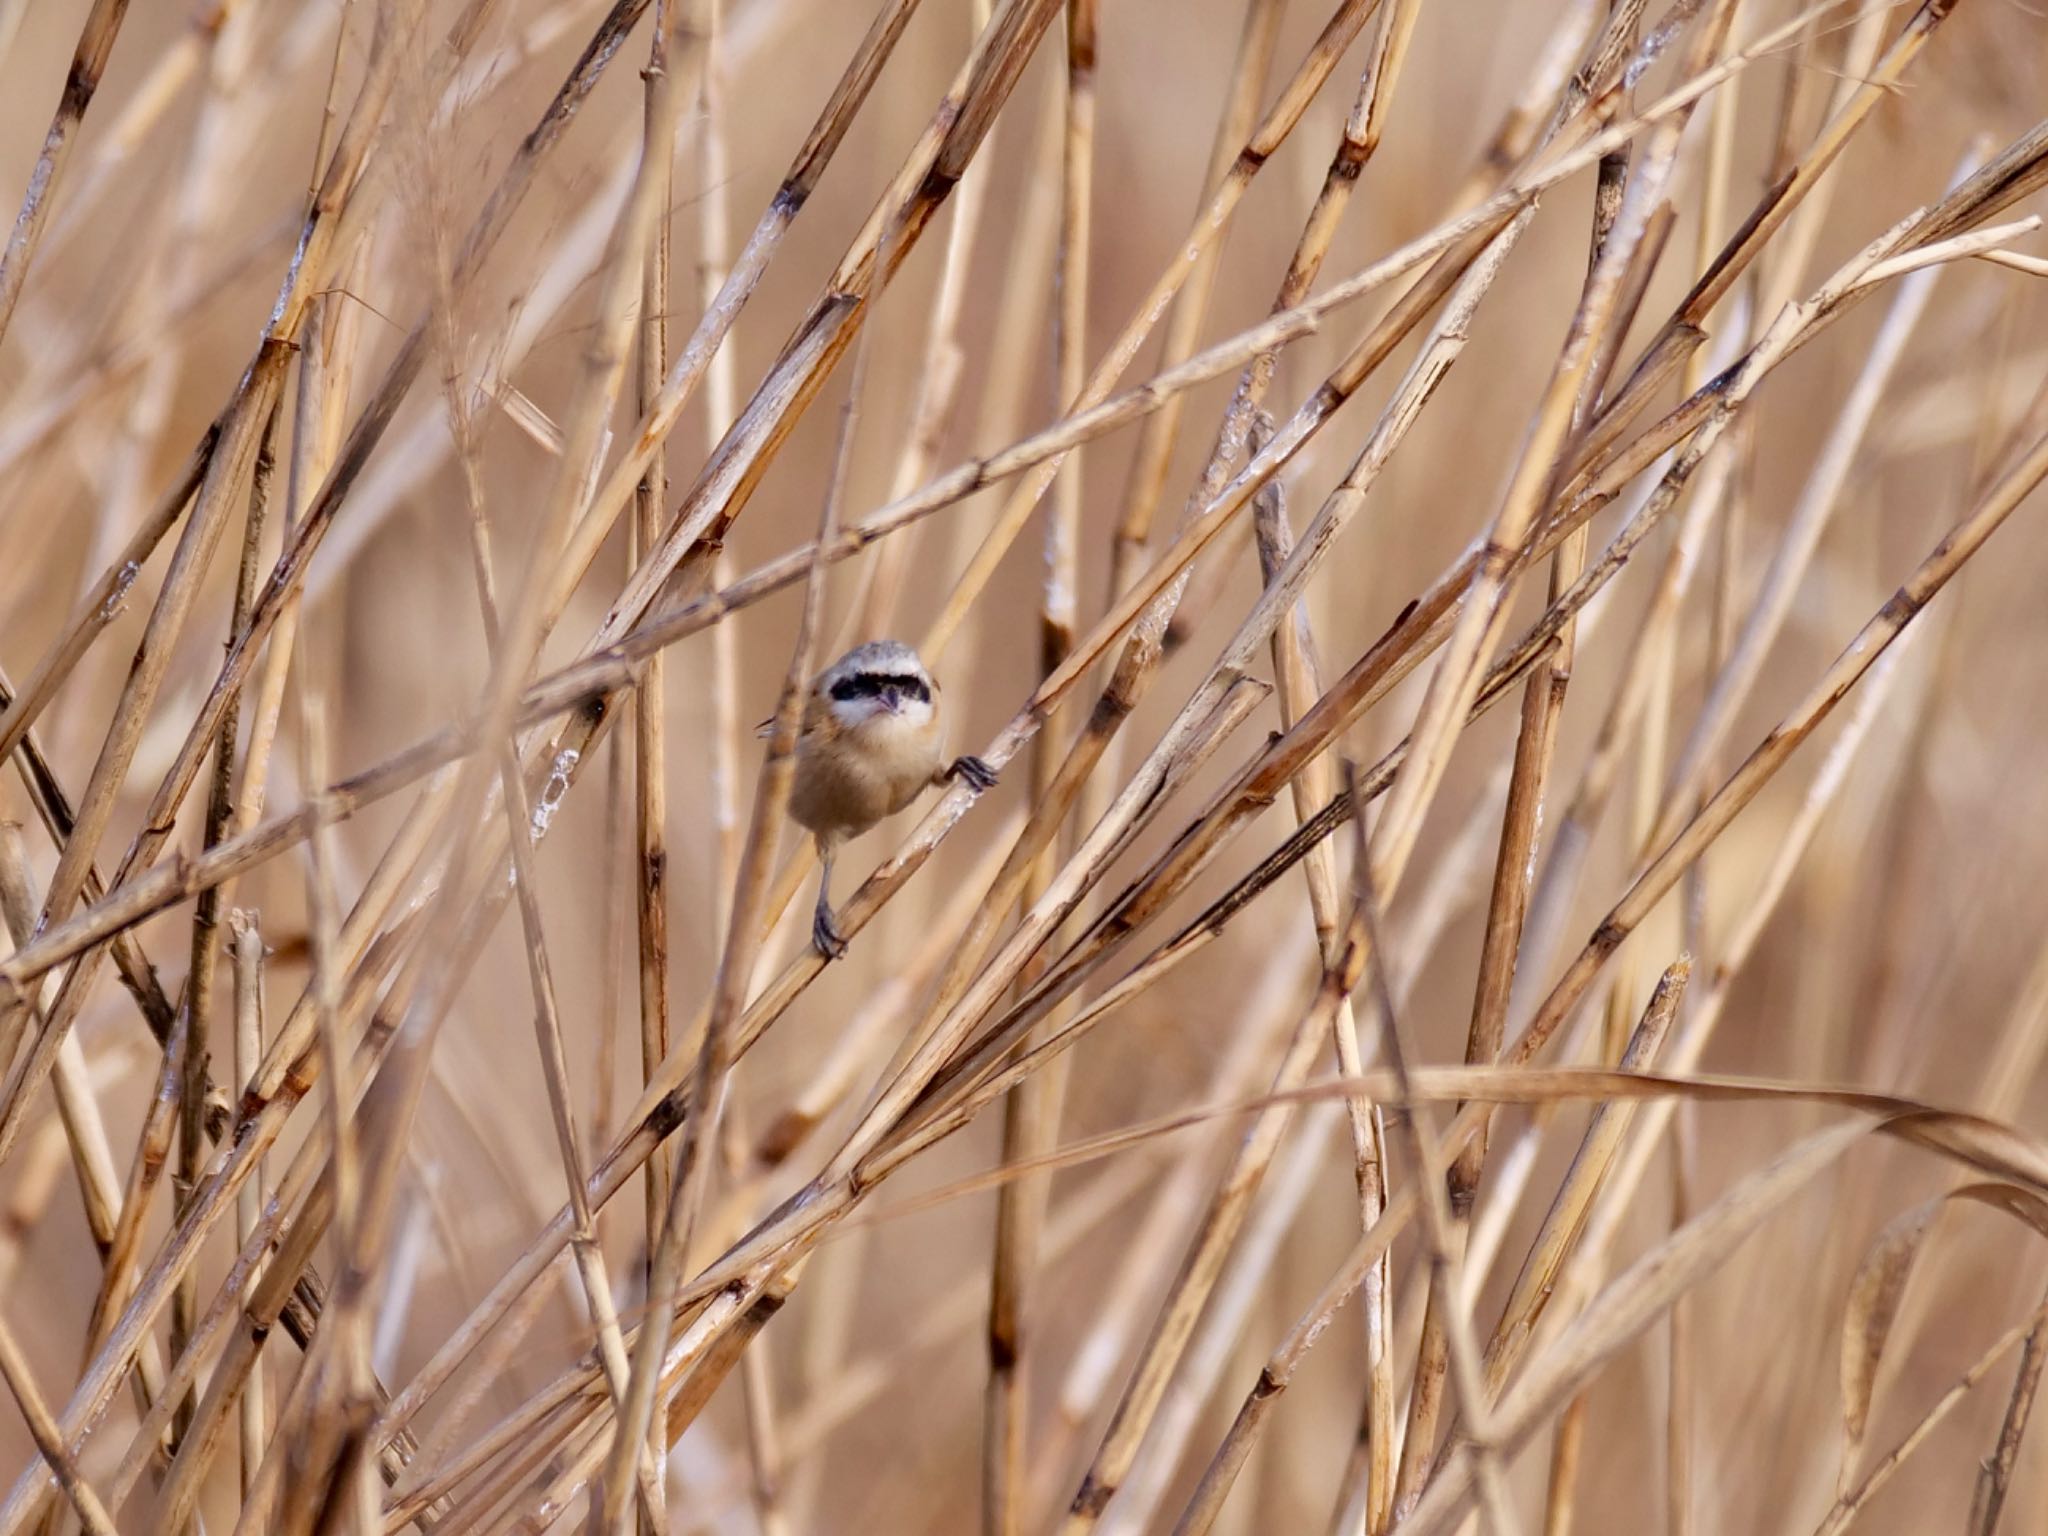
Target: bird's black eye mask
x=868 y=685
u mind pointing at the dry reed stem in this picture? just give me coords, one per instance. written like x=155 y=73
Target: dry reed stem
x=1451 y=885
x=1994 y=1482
x=1843 y=1515
x=1480 y=617
x=1692 y=1039
x=1913 y=595
x=1297 y=673
x=1174 y=1206
x=963 y=1309
x=104 y=601
x=635 y=251
x=114 y=1225
x=650 y=708
x=1367 y=1258
x=763 y=1433
x=1567 y=1446
x=253 y=1420
x=1274 y=1377
x=1145 y=481
x=1565 y=1221
x=1613 y=286
x=1817 y=503
x=1630 y=1304
x=1280 y=121
x=933 y=168
x=1636 y=1298
x=197 y=1001
x=36 y=1411
x=1905 y=310
x=1366 y=944
x=941 y=375
x=1031 y=1115
x=1701 y=1021
x=584 y=1247
x=77 y=1105
x=81 y=84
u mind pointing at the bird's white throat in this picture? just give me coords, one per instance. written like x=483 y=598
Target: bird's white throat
x=873 y=718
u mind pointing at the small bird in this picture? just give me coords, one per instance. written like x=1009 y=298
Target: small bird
x=870 y=743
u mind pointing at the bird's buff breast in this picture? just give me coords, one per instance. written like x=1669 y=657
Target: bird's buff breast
x=848 y=784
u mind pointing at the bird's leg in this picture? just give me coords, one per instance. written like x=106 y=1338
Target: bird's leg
x=825 y=934
x=978 y=774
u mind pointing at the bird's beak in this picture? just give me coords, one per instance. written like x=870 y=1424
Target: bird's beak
x=892 y=701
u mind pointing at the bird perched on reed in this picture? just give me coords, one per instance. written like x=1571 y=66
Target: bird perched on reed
x=870 y=743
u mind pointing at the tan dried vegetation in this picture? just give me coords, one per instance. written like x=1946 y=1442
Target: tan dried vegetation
x=1503 y=987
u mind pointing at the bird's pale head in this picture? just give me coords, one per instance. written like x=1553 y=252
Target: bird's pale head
x=880 y=686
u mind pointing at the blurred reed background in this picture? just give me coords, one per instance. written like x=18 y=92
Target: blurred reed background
x=417 y=423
